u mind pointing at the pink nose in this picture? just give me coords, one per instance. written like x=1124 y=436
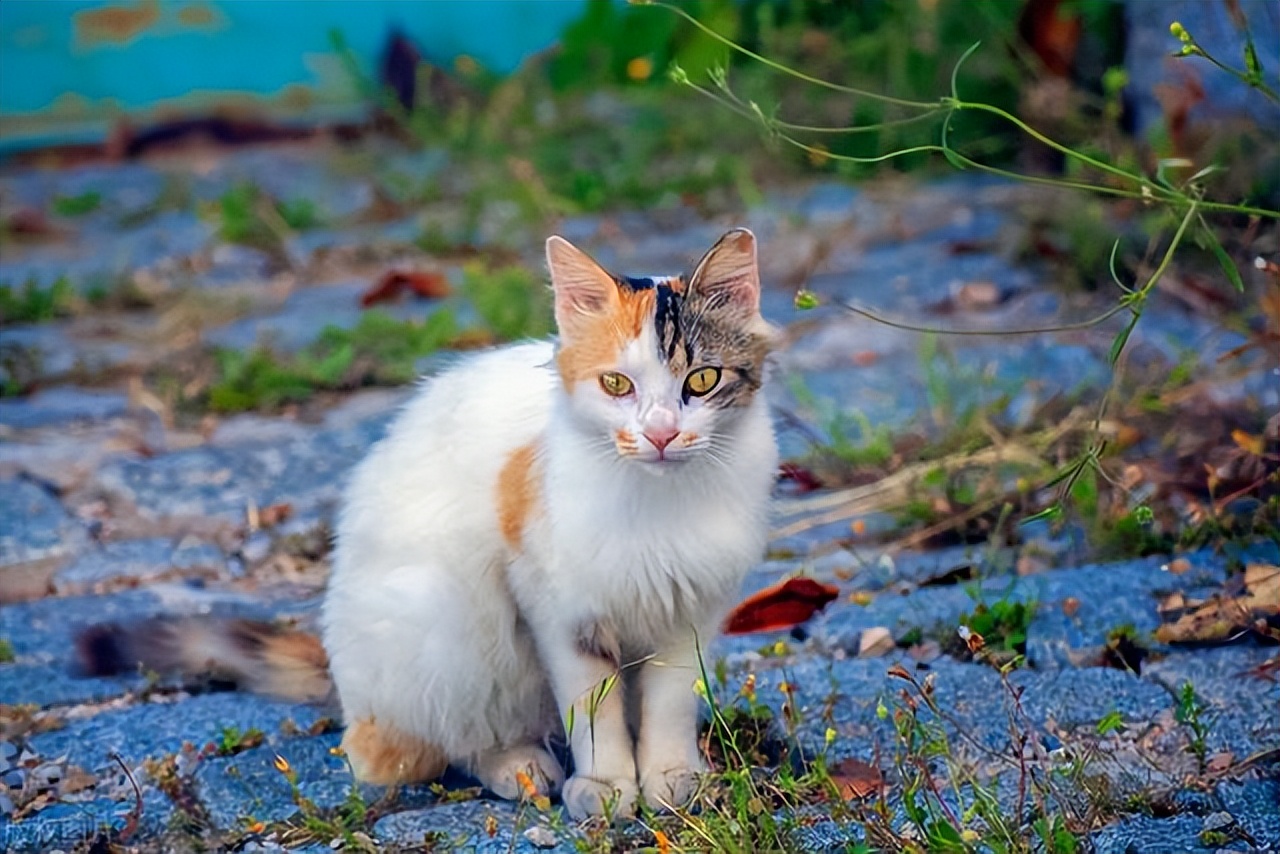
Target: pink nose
x=661 y=438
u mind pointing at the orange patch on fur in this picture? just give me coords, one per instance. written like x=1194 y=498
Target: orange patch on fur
x=517 y=493
x=592 y=343
x=385 y=756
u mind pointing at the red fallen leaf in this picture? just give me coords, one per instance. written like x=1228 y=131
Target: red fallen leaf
x=781 y=606
x=856 y=779
x=429 y=285
x=805 y=480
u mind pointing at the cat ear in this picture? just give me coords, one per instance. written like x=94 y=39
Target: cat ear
x=727 y=276
x=582 y=286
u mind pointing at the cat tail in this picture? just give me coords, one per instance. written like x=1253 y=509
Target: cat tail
x=261 y=657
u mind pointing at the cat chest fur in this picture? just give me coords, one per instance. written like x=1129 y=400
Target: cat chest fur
x=639 y=552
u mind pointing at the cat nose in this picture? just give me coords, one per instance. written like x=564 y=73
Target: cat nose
x=661 y=437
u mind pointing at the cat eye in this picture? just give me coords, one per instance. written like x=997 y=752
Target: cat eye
x=615 y=384
x=701 y=381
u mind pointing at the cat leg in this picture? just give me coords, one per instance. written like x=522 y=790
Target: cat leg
x=667 y=755
x=497 y=769
x=385 y=756
x=588 y=687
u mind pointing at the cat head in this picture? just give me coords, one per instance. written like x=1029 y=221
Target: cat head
x=660 y=367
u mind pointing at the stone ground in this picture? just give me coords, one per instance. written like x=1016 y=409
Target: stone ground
x=111 y=510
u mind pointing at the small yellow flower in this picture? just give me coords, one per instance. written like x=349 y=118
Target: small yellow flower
x=970 y=835
x=663 y=843
x=466 y=65
x=882 y=711
x=337 y=751
x=282 y=764
x=256 y=827
x=700 y=688
x=818 y=155
x=829 y=736
x=639 y=69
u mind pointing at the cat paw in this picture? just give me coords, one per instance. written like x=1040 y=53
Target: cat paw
x=672 y=787
x=500 y=771
x=587 y=796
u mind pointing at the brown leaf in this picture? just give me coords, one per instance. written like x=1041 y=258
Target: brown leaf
x=1219 y=762
x=804 y=479
x=1070 y=606
x=76 y=779
x=856 y=779
x=1179 y=565
x=427 y=284
x=781 y=606
x=1225 y=617
x=274 y=514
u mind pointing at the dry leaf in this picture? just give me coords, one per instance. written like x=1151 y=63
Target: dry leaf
x=1225 y=617
x=781 y=606
x=274 y=514
x=1178 y=566
x=388 y=287
x=856 y=779
x=1070 y=606
x=1219 y=762
x=875 y=642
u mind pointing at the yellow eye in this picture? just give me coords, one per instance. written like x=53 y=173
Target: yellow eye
x=701 y=381
x=615 y=384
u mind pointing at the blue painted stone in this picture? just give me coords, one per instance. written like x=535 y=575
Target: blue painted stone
x=151 y=730
x=462 y=826
x=60 y=405
x=34 y=526
x=69 y=824
x=139 y=560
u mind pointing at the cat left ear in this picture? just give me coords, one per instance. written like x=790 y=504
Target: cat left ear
x=582 y=286
x=728 y=274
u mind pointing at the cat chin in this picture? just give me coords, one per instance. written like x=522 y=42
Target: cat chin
x=660 y=465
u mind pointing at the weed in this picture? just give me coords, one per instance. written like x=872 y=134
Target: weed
x=80 y=205
x=35 y=304
x=6 y=651
x=247 y=215
x=512 y=302
x=1189 y=710
x=1003 y=626
x=232 y=741
x=378 y=350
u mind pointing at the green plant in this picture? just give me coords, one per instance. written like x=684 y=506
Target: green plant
x=231 y=740
x=1002 y=625
x=512 y=302
x=378 y=350
x=1178 y=190
x=1189 y=710
x=85 y=203
x=35 y=304
x=6 y=651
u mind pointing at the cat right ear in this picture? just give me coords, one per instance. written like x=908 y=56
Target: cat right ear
x=581 y=285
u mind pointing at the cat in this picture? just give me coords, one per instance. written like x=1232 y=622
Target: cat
x=545 y=515
x=540 y=547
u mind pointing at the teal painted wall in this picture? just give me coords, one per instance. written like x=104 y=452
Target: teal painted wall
x=62 y=80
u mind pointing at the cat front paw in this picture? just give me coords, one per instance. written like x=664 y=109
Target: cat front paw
x=587 y=796
x=672 y=787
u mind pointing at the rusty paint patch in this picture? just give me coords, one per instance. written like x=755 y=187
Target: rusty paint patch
x=200 y=16
x=115 y=24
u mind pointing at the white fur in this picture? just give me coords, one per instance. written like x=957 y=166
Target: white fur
x=433 y=625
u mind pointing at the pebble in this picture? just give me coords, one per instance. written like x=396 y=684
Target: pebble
x=540 y=837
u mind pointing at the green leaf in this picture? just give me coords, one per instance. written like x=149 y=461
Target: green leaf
x=1228 y=266
x=1251 y=61
x=1053 y=512
x=806 y=300
x=1117 y=346
x=1111 y=722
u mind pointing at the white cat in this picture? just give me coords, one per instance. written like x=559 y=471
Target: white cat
x=549 y=533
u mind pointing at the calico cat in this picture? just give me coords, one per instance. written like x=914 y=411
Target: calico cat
x=540 y=547
x=544 y=516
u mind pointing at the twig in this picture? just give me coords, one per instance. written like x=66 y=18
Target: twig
x=135 y=815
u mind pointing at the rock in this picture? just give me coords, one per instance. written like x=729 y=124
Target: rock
x=541 y=837
x=34 y=526
x=874 y=642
